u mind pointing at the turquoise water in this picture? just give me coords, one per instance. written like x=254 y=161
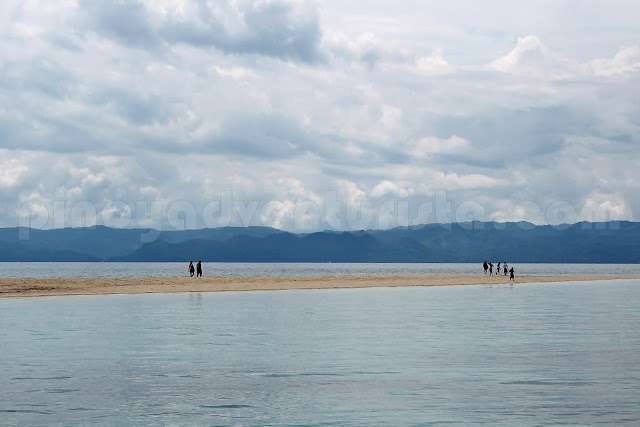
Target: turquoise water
x=173 y=269
x=529 y=354
x=518 y=355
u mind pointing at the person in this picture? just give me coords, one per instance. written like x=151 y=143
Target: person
x=486 y=267
x=199 y=267
x=490 y=269
x=498 y=269
x=511 y=275
x=505 y=268
x=191 y=269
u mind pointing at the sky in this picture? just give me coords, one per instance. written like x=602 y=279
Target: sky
x=313 y=115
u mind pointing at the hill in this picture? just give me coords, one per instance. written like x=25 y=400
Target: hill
x=614 y=242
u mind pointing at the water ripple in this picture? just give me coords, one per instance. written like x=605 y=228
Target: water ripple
x=25 y=411
x=549 y=383
x=42 y=378
x=228 y=406
x=532 y=355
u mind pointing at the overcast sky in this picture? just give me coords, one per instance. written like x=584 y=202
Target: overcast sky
x=309 y=115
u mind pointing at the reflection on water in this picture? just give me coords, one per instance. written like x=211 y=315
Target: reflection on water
x=510 y=355
x=195 y=299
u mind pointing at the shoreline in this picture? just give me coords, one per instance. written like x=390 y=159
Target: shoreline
x=34 y=287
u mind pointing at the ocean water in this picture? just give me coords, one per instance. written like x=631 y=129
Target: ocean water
x=172 y=269
x=529 y=354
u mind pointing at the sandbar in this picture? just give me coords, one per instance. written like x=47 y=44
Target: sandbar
x=34 y=287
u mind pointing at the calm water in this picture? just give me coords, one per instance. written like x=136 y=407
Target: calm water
x=172 y=269
x=528 y=354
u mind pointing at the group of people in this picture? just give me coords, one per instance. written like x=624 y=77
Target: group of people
x=198 y=267
x=489 y=266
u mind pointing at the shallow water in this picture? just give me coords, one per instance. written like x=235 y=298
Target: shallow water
x=528 y=354
x=172 y=269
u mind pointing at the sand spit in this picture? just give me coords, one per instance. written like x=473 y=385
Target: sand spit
x=32 y=287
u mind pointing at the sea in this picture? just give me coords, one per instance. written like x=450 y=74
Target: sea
x=524 y=354
x=173 y=269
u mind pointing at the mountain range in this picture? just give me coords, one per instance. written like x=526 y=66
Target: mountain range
x=609 y=242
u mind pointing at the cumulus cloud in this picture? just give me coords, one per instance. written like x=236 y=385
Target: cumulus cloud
x=432 y=145
x=278 y=28
x=528 y=54
x=10 y=172
x=433 y=64
x=625 y=62
x=292 y=102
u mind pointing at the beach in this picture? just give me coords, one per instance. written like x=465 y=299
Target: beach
x=36 y=287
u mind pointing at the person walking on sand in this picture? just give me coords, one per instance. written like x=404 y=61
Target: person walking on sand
x=199 y=267
x=191 y=269
x=505 y=268
x=490 y=269
x=486 y=267
x=498 y=269
x=511 y=275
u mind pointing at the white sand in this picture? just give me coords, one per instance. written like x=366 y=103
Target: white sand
x=30 y=287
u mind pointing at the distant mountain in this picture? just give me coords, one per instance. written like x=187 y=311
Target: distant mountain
x=17 y=251
x=101 y=243
x=282 y=247
x=614 y=242
x=98 y=243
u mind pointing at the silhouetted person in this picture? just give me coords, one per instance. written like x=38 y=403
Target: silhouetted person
x=199 y=268
x=191 y=269
x=490 y=269
x=486 y=267
x=505 y=268
x=511 y=275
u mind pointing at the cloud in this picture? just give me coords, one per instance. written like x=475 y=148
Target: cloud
x=529 y=53
x=385 y=188
x=287 y=101
x=626 y=61
x=279 y=28
x=263 y=137
x=531 y=58
x=10 y=172
x=432 y=145
x=433 y=64
x=127 y=22
x=453 y=181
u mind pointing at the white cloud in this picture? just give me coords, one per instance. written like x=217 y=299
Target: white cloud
x=349 y=191
x=626 y=61
x=433 y=64
x=531 y=58
x=432 y=145
x=454 y=181
x=10 y=172
x=391 y=117
x=528 y=53
x=236 y=73
x=287 y=100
